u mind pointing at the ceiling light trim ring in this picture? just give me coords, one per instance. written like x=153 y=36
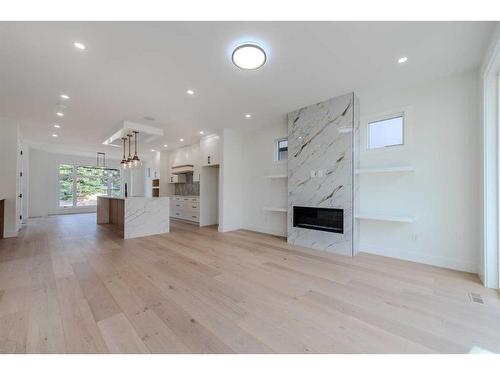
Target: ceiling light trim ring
x=246 y=45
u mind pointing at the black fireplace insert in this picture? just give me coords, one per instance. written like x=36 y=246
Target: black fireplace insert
x=319 y=218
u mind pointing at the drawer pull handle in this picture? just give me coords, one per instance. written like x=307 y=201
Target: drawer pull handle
x=194 y=216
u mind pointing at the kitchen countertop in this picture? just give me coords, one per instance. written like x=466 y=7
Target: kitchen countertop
x=184 y=196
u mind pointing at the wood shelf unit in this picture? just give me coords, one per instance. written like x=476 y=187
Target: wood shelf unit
x=155 y=183
x=276 y=176
x=275 y=209
x=378 y=217
x=404 y=169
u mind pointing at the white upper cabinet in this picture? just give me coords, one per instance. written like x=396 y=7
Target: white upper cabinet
x=209 y=150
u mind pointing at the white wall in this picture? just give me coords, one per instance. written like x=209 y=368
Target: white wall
x=38 y=198
x=258 y=192
x=443 y=194
x=8 y=175
x=44 y=179
x=231 y=181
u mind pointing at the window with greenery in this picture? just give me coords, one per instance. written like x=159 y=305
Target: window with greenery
x=281 y=149
x=79 y=186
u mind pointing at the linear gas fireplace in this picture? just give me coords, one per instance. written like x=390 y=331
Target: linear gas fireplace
x=319 y=218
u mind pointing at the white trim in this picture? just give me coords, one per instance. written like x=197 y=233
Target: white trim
x=491 y=173
x=415 y=256
x=10 y=234
x=228 y=228
x=255 y=228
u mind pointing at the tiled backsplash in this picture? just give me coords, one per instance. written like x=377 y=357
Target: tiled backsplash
x=189 y=187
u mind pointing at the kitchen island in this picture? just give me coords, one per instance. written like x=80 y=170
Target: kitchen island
x=134 y=216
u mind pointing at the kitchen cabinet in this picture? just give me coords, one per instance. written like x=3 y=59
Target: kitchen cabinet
x=210 y=150
x=185 y=208
x=196 y=173
x=177 y=178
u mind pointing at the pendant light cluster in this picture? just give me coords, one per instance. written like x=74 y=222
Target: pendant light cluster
x=130 y=161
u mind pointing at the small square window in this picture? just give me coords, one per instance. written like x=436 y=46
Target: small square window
x=281 y=149
x=386 y=132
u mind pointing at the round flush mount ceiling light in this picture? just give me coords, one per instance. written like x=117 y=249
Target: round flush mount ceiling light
x=54 y=135
x=402 y=60
x=64 y=96
x=190 y=92
x=182 y=139
x=165 y=145
x=249 y=56
x=60 y=114
x=202 y=132
x=57 y=126
x=79 y=45
x=248 y=115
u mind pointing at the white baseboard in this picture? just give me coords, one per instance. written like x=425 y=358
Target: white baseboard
x=255 y=228
x=9 y=234
x=414 y=256
x=228 y=228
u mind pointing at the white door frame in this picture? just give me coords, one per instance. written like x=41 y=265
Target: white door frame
x=490 y=261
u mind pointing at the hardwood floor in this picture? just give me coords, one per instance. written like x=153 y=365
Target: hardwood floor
x=69 y=286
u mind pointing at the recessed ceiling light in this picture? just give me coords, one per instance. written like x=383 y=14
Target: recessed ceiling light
x=54 y=135
x=182 y=139
x=402 y=60
x=190 y=92
x=153 y=150
x=57 y=126
x=60 y=114
x=202 y=132
x=249 y=56
x=165 y=145
x=64 y=96
x=248 y=115
x=79 y=45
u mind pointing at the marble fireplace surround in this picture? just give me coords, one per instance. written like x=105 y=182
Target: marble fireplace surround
x=323 y=149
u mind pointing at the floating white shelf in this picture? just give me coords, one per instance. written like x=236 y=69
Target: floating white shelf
x=277 y=176
x=405 y=169
x=400 y=219
x=275 y=209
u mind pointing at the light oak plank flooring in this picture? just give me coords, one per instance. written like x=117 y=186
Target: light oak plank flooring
x=70 y=286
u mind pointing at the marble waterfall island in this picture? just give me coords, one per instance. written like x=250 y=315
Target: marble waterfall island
x=135 y=216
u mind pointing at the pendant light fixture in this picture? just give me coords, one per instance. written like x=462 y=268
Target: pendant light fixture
x=129 y=159
x=136 y=159
x=124 y=160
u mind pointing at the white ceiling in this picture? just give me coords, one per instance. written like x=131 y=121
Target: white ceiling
x=135 y=69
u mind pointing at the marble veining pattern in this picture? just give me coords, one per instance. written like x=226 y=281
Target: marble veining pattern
x=146 y=216
x=321 y=139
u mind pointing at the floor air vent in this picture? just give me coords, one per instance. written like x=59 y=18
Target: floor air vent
x=476 y=297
